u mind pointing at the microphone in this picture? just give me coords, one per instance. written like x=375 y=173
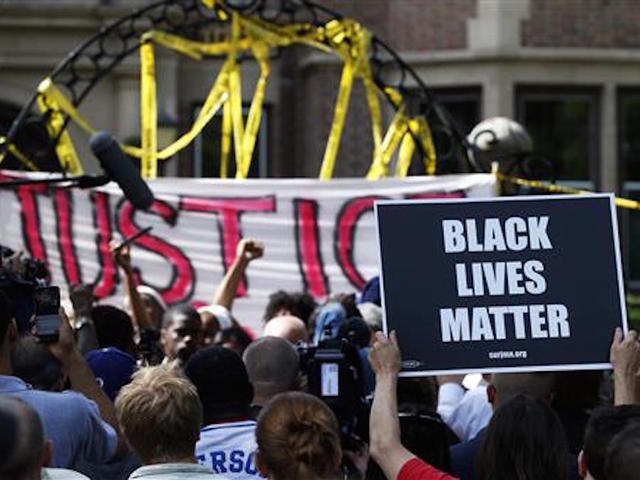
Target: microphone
x=119 y=169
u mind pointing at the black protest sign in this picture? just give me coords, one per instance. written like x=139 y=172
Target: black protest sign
x=503 y=284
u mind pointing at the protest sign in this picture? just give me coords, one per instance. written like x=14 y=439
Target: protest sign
x=506 y=284
x=319 y=236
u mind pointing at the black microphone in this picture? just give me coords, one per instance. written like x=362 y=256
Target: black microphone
x=120 y=169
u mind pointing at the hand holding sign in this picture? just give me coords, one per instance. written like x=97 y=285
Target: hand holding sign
x=507 y=284
x=384 y=355
x=625 y=358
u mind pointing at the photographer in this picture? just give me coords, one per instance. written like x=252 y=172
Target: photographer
x=87 y=411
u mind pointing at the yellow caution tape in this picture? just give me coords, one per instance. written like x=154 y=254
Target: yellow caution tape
x=394 y=96
x=407 y=147
x=340 y=113
x=191 y=48
x=420 y=129
x=13 y=150
x=216 y=98
x=225 y=143
x=65 y=150
x=261 y=52
x=148 y=113
x=380 y=166
x=371 y=92
x=235 y=93
x=551 y=187
x=343 y=37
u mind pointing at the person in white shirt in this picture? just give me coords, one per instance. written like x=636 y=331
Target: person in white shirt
x=227 y=442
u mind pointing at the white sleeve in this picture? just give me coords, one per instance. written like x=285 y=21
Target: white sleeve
x=449 y=397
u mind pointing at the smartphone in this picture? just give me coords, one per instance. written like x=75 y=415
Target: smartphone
x=132 y=238
x=47 y=313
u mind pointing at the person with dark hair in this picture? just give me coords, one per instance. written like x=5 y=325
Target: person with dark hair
x=160 y=414
x=504 y=387
x=24 y=453
x=607 y=422
x=94 y=425
x=35 y=364
x=576 y=394
x=356 y=331
x=272 y=364
x=623 y=455
x=181 y=334
x=227 y=438
x=604 y=424
x=234 y=338
x=298 y=437
x=297 y=304
x=113 y=328
x=279 y=303
x=524 y=441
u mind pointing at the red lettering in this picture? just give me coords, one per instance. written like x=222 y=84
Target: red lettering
x=63 y=205
x=308 y=248
x=30 y=214
x=105 y=284
x=182 y=283
x=228 y=212
x=346 y=224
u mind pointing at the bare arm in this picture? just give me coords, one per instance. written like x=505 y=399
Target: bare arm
x=246 y=251
x=82 y=378
x=139 y=314
x=82 y=300
x=625 y=358
x=385 y=445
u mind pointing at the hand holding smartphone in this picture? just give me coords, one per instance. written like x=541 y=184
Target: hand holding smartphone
x=47 y=314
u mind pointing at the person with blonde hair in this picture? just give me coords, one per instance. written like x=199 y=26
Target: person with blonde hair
x=298 y=438
x=160 y=415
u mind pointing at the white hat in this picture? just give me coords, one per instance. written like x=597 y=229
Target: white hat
x=221 y=313
x=153 y=293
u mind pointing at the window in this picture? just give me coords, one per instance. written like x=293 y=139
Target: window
x=207 y=147
x=629 y=163
x=564 y=127
x=464 y=107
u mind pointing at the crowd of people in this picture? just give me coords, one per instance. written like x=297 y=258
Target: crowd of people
x=151 y=392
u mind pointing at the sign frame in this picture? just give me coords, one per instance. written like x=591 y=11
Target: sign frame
x=514 y=369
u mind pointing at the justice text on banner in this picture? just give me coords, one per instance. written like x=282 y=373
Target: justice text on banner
x=319 y=236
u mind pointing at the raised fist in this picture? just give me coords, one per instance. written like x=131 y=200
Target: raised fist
x=248 y=250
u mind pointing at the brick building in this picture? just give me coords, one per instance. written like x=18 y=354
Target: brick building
x=569 y=70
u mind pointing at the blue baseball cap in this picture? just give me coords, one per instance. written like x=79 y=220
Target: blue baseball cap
x=112 y=367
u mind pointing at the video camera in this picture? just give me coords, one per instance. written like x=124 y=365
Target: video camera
x=19 y=277
x=334 y=372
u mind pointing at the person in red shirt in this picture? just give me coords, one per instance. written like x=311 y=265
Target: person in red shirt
x=397 y=462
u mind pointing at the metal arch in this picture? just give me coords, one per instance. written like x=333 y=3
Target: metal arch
x=105 y=50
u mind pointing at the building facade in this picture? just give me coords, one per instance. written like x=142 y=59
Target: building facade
x=568 y=70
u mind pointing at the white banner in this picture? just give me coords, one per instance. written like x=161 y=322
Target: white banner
x=318 y=236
